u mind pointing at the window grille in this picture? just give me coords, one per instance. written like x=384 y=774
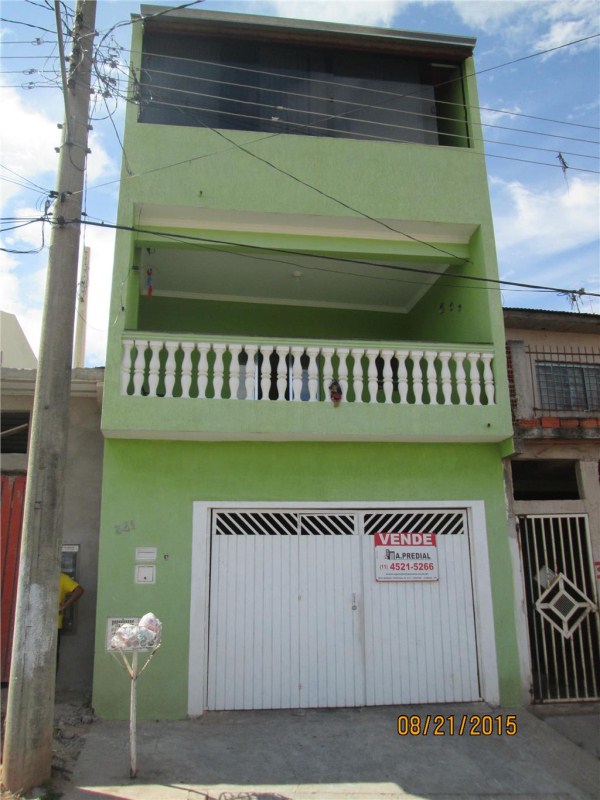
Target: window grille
x=570 y=387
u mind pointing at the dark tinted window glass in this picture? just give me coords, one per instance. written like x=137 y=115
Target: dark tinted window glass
x=15 y=431
x=308 y=90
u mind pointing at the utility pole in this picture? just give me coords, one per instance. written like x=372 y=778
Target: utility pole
x=27 y=757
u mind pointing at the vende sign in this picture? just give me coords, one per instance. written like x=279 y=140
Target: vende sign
x=406 y=557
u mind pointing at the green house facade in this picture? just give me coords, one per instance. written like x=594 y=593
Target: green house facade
x=306 y=403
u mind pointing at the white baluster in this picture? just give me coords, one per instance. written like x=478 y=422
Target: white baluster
x=282 y=371
x=388 y=374
x=203 y=348
x=473 y=359
x=313 y=374
x=126 y=365
x=327 y=353
x=138 y=369
x=432 y=386
x=265 y=380
x=372 y=375
x=461 y=378
x=234 y=370
x=186 y=368
x=250 y=377
x=342 y=353
x=218 y=349
x=417 y=376
x=155 y=348
x=297 y=353
x=357 y=375
x=488 y=377
x=402 y=355
x=446 y=376
x=172 y=348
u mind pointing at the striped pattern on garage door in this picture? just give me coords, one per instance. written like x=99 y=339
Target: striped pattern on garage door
x=297 y=619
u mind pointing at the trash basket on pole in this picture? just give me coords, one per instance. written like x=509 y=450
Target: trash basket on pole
x=143 y=637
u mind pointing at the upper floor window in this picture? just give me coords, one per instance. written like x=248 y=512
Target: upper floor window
x=15 y=431
x=567 y=386
x=300 y=88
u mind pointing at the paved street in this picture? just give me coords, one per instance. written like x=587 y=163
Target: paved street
x=345 y=753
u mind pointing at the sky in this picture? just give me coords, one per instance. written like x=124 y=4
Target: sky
x=541 y=116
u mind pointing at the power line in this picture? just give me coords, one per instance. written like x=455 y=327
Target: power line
x=396 y=126
x=356 y=135
x=326 y=83
x=246 y=245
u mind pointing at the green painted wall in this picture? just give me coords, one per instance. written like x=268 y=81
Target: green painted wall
x=154 y=485
x=171 y=314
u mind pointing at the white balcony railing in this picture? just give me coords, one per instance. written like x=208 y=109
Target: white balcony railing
x=219 y=370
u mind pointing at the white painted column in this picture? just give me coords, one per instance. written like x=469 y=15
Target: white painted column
x=126 y=365
x=357 y=375
x=265 y=377
x=388 y=374
x=313 y=374
x=203 y=348
x=297 y=353
x=431 y=377
x=372 y=374
x=218 y=350
x=417 y=376
x=446 y=376
x=327 y=353
x=461 y=378
x=250 y=377
x=155 y=348
x=488 y=377
x=171 y=348
x=282 y=370
x=234 y=370
x=186 y=368
x=402 y=355
x=138 y=369
x=473 y=359
x=342 y=353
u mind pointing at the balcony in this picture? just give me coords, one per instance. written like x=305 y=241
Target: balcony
x=195 y=387
x=303 y=372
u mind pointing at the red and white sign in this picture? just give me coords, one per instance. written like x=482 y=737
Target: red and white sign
x=406 y=557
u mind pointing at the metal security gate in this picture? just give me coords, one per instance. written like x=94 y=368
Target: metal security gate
x=562 y=609
x=297 y=619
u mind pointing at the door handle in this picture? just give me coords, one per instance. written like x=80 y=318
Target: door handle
x=354 y=606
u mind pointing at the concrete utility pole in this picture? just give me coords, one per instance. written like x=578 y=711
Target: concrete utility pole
x=27 y=757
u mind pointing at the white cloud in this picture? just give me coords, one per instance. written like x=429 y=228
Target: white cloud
x=12 y=291
x=352 y=12
x=486 y=15
x=101 y=242
x=542 y=24
x=27 y=143
x=545 y=224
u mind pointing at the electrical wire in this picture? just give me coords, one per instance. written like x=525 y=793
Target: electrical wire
x=344 y=85
x=420 y=115
x=356 y=135
x=246 y=245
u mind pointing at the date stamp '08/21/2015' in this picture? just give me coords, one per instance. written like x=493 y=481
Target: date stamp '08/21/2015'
x=455 y=725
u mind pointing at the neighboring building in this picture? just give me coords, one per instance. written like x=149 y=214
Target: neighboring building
x=15 y=350
x=240 y=493
x=81 y=513
x=554 y=499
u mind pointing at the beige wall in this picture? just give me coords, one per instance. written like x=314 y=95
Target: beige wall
x=81 y=524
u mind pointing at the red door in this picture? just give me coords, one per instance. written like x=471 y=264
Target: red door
x=13 y=494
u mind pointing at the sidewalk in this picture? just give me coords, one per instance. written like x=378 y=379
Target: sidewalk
x=338 y=754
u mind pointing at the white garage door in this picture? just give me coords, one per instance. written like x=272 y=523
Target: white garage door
x=297 y=619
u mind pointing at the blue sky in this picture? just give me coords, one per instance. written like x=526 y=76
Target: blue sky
x=546 y=221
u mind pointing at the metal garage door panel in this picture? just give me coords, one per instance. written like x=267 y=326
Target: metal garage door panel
x=420 y=636
x=332 y=652
x=283 y=630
